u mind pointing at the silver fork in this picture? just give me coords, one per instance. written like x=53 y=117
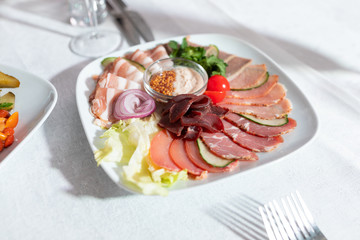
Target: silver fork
x=295 y=223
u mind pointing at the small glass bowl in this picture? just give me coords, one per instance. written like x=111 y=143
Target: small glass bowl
x=168 y=64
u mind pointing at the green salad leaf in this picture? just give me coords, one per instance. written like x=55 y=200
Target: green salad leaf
x=5 y=105
x=128 y=144
x=212 y=64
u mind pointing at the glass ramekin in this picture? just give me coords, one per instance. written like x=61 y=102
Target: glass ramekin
x=168 y=64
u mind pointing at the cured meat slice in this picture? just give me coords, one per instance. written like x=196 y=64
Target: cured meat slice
x=103 y=98
x=209 y=121
x=278 y=110
x=255 y=92
x=157 y=53
x=222 y=146
x=251 y=142
x=123 y=68
x=276 y=94
x=193 y=153
x=235 y=65
x=114 y=81
x=257 y=129
x=140 y=57
x=159 y=151
x=251 y=76
x=178 y=155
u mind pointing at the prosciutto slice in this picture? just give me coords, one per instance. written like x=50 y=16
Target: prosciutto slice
x=278 y=110
x=276 y=94
x=235 y=65
x=250 y=77
x=193 y=153
x=255 y=92
x=157 y=53
x=251 y=142
x=114 y=81
x=222 y=146
x=257 y=129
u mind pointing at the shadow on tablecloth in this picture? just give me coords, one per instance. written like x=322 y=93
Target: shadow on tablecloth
x=71 y=152
x=241 y=215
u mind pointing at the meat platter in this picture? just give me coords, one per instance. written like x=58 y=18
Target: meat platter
x=301 y=110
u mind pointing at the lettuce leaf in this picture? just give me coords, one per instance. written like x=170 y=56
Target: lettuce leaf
x=128 y=144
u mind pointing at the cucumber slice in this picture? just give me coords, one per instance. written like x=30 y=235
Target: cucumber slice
x=266 y=78
x=107 y=61
x=212 y=50
x=140 y=67
x=266 y=122
x=210 y=158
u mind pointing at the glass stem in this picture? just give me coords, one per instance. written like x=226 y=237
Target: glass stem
x=91 y=6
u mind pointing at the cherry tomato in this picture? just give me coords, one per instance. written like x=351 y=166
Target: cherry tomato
x=215 y=96
x=218 y=83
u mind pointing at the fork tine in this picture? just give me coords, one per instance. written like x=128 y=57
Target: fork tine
x=298 y=219
x=291 y=220
x=273 y=225
x=285 y=222
x=268 y=229
x=279 y=224
x=301 y=210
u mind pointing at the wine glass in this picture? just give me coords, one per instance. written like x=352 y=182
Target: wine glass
x=96 y=42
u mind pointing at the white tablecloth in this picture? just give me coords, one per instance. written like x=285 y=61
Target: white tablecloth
x=52 y=189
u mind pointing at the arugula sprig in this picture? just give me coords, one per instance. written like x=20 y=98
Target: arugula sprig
x=212 y=64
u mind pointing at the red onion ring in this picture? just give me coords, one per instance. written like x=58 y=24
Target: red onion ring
x=133 y=103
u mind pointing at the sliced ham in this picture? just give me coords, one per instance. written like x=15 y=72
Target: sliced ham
x=278 y=110
x=193 y=153
x=251 y=142
x=222 y=146
x=257 y=129
x=123 y=68
x=235 y=66
x=159 y=151
x=276 y=94
x=140 y=57
x=255 y=92
x=178 y=155
x=250 y=77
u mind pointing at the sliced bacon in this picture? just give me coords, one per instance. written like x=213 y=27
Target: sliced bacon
x=222 y=146
x=255 y=92
x=114 y=81
x=278 y=110
x=257 y=129
x=276 y=94
x=251 y=76
x=103 y=98
x=140 y=57
x=157 y=53
x=159 y=151
x=123 y=68
x=251 y=142
x=178 y=155
x=193 y=153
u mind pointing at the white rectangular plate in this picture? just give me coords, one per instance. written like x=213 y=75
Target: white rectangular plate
x=302 y=112
x=34 y=100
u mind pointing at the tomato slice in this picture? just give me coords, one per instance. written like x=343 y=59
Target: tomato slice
x=218 y=83
x=215 y=96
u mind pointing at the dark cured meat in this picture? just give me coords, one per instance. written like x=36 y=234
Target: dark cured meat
x=222 y=146
x=193 y=153
x=194 y=112
x=257 y=129
x=251 y=142
x=211 y=122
